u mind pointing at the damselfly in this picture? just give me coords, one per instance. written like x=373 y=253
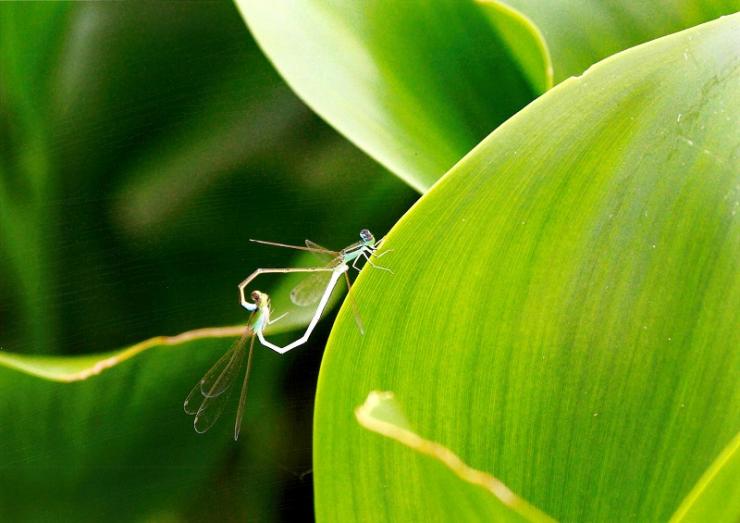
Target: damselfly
x=310 y=290
x=209 y=396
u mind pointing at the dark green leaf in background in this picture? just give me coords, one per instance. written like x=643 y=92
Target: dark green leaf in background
x=414 y=84
x=26 y=183
x=580 y=33
x=417 y=84
x=524 y=41
x=117 y=445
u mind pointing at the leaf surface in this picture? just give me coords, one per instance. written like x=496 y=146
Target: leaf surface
x=464 y=493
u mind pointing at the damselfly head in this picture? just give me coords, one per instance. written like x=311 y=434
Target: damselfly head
x=366 y=236
x=261 y=299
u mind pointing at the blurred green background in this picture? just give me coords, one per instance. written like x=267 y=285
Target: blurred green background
x=141 y=145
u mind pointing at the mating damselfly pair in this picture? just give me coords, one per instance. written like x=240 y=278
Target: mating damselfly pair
x=208 y=398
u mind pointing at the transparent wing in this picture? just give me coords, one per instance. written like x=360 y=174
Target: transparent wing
x=310 y=290
x=212 y=406
x=217 y=379
x=221 y=375
x=196 y=396
x=243 y=396
x=193 y=401
x=209 y=412
x=315 y=248
x=322 y=253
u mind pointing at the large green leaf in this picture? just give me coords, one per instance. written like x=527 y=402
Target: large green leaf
x=564 y=305
x=417 y=84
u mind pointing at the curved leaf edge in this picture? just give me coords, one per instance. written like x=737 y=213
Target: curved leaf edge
x=67 y=369
x=394 y=167
x=721 y=474
x=382 y=414
x=542 y=83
